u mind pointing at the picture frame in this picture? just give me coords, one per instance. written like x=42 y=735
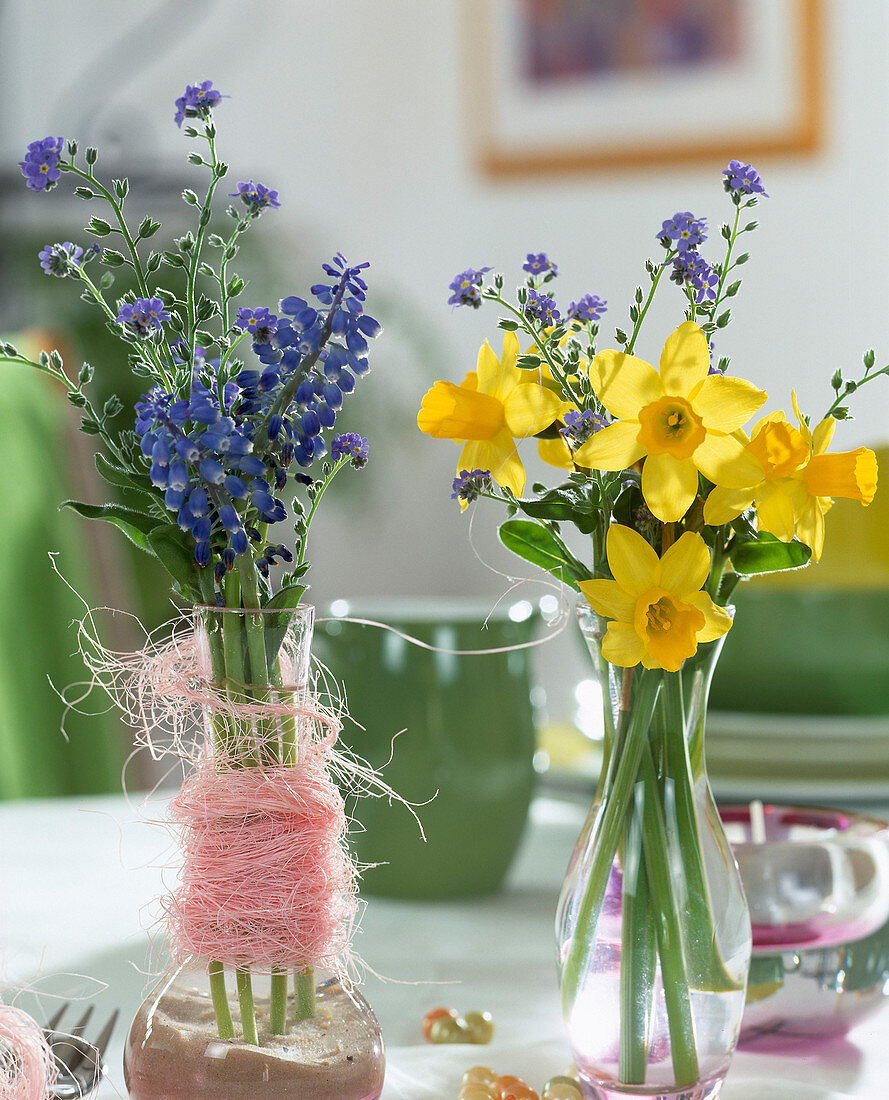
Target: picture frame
x=752 y=84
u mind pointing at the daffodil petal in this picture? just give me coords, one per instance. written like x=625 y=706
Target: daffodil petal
x=685 y=360
x=497 y=377
x=499 y=455
x=724 y=461
x=822 y=435
x=609 y=599
x=622 y=646
x=803 y=426
x=685 y=566
x=810 y=528
x=508 y=374
x=529 y=408
x=717 y=620
x=669 y=485
x=624 y=384
x=555 y=452
x=633 y=562
x=723 y=505
x=774 y=510
x=613 y=448
x=725 y=403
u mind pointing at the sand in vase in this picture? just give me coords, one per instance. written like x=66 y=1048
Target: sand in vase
x=173 y=1052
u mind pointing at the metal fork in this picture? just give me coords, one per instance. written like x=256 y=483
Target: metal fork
x=79 y=1063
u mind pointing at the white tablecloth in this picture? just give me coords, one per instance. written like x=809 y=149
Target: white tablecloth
x=76 y=877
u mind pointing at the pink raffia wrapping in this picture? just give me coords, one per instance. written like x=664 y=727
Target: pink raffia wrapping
x=27 y=1067
x=266 y=879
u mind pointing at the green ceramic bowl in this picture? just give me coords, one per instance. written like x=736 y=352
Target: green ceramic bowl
x=468 y=742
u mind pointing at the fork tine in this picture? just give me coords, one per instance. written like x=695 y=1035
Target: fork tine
x=67 y=1050
x=105 y=1034
x=77 y=1030
x=52 y=1024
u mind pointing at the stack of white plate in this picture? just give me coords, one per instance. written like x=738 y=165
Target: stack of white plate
x=805 y=757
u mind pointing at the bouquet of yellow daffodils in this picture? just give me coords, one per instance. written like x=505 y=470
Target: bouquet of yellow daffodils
x=671 y=503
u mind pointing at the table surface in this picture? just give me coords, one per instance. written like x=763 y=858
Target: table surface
x=76 y=916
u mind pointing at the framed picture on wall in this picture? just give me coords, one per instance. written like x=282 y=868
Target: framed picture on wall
x=573 y=85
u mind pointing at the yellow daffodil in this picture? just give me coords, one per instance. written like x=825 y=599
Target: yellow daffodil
x=493 y=407
x=680 y=420
x=780 y=450
x=659 y=613
x=851 y=474
x=799 y=482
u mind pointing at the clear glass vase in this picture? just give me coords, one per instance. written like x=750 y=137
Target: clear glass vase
x=249 y=1016
x=652 y=929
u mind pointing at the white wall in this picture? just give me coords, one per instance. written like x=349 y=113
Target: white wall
x=354 y=111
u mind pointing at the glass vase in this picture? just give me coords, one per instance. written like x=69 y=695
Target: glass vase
x=173 y=1051
x=653 y=930
x=261 y=824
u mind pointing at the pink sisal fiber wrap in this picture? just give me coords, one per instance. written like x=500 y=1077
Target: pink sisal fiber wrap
x=267 y=880
x=27 y=1067
x=266 y=877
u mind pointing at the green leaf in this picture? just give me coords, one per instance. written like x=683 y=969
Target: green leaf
x=289 y=596
x=540 y=547
x=117 y=475
x=768 y=555
x=575 y=503
x=508 y=325
x=134 y=524
x=174 y=550
x=528 y=362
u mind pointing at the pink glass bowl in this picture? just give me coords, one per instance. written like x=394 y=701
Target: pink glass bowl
x=820 y=878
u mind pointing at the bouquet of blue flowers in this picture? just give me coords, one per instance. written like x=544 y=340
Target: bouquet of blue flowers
x=221 y=446
x=216 y=442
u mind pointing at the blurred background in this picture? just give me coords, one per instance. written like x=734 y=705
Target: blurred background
x=429 y=136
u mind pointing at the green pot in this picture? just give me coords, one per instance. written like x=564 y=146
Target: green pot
x=466 y=751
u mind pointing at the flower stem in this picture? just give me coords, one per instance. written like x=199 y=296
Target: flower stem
x=248 y=1009
x=631 y=741
x=322 y=489
x=203 y=221
x=224 y=1023
x=706 y=968
x=669 y=938
x=637 y=959
x=305 y=993
x=631 y=343
x=121 y=221
x=278 y=1005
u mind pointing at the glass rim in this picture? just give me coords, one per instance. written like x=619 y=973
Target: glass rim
x=846 y=825
x=436 y=610
x=304 y=608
